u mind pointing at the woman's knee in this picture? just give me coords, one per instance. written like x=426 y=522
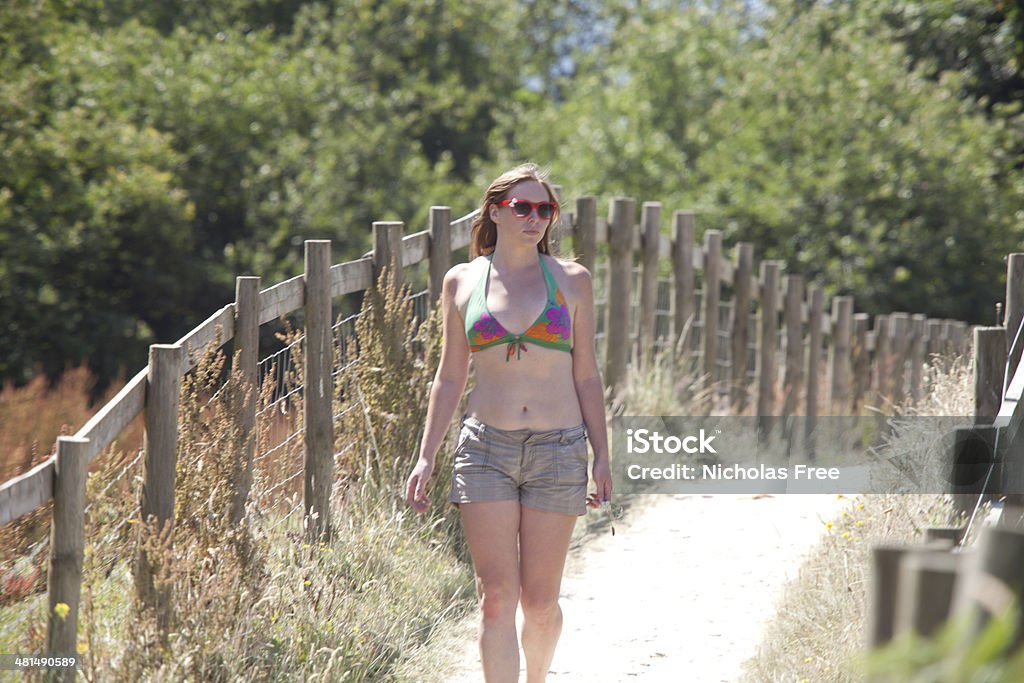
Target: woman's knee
x=540 y=608
x=498 y=597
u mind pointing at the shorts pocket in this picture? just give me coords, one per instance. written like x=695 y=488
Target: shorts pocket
x=571 y=463
x=470 y=451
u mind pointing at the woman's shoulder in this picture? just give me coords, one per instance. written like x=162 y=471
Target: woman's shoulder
x=462 y=277
x=461 y=271
x=571 y=271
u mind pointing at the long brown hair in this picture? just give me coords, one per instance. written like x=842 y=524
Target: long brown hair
x=484 y=232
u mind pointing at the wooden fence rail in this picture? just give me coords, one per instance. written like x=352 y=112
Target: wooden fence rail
x=860 y=365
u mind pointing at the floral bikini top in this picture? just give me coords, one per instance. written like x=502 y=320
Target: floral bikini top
x=553 y=328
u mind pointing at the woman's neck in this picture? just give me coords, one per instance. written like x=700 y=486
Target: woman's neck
x=512 y=258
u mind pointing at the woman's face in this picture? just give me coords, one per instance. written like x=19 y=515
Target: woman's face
x=526 y=230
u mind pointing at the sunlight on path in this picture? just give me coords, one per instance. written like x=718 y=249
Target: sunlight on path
x=683 y=590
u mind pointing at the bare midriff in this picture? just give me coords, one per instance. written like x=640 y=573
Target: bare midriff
x=537 y=392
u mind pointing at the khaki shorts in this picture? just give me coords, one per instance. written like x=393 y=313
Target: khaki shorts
x=543 y=470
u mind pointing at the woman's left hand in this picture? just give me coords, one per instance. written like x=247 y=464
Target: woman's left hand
x=602 y=475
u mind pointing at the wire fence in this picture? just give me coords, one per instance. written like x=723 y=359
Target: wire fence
x=114 y=484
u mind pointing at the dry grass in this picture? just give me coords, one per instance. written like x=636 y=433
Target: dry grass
x=260 y=600
x=31 y=419
x=818 y=631
x=34 y=415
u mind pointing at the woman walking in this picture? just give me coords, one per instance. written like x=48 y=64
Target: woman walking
x=527 y=321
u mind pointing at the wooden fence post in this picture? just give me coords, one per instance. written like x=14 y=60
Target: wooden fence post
x=934 y=344
x=989 y=364
x=712 y=299
x=247 y=342
x=926 y=582
x=948 y=340
x=992 y=582
x=860 y=362
x=794 y=373
x=964 y=338
x=887 y=613
x=166 y=365
x=620 y=277
x=840 y=355
x=387 y=249
x=440 y=249
x=318 y=423
x=387 y=253
x=768 y=345
x=585 y=232
x=883 y=592
x=900 y=347
x=883 y=358
x=741 y=325
x=917 y=359
x=815 y=318
x=556 y=233
x=650 y=237
x=683 y=281
x=67 y=551
x=1014 y=310
x=950 y=534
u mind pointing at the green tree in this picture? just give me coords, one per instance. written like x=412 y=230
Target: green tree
x=808 y=130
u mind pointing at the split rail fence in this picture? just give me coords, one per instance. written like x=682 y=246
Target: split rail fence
x=765 y=347
x=917 y=589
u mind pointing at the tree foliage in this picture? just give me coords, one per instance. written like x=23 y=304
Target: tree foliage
x=810 y=131
x=150 y=152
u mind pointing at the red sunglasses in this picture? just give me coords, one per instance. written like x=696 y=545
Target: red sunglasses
x=523 y=208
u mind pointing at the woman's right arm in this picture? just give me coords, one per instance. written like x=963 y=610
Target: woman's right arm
x=445 y=392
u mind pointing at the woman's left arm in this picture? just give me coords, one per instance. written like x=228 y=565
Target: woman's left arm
x=587 y=378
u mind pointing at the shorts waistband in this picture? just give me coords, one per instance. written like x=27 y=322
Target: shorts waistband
x=525 y=436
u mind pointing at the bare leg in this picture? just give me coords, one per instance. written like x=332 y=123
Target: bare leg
x=492 y=531
x=543 y=543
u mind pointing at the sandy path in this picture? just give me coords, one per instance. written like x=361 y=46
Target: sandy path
x=681 y=592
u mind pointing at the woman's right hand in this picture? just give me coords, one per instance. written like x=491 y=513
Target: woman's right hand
x=416 y=487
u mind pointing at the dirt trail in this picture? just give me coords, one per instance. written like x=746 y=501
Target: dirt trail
x=682 y=591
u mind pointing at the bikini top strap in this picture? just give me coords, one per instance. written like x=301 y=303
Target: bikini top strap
x=549 y=278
